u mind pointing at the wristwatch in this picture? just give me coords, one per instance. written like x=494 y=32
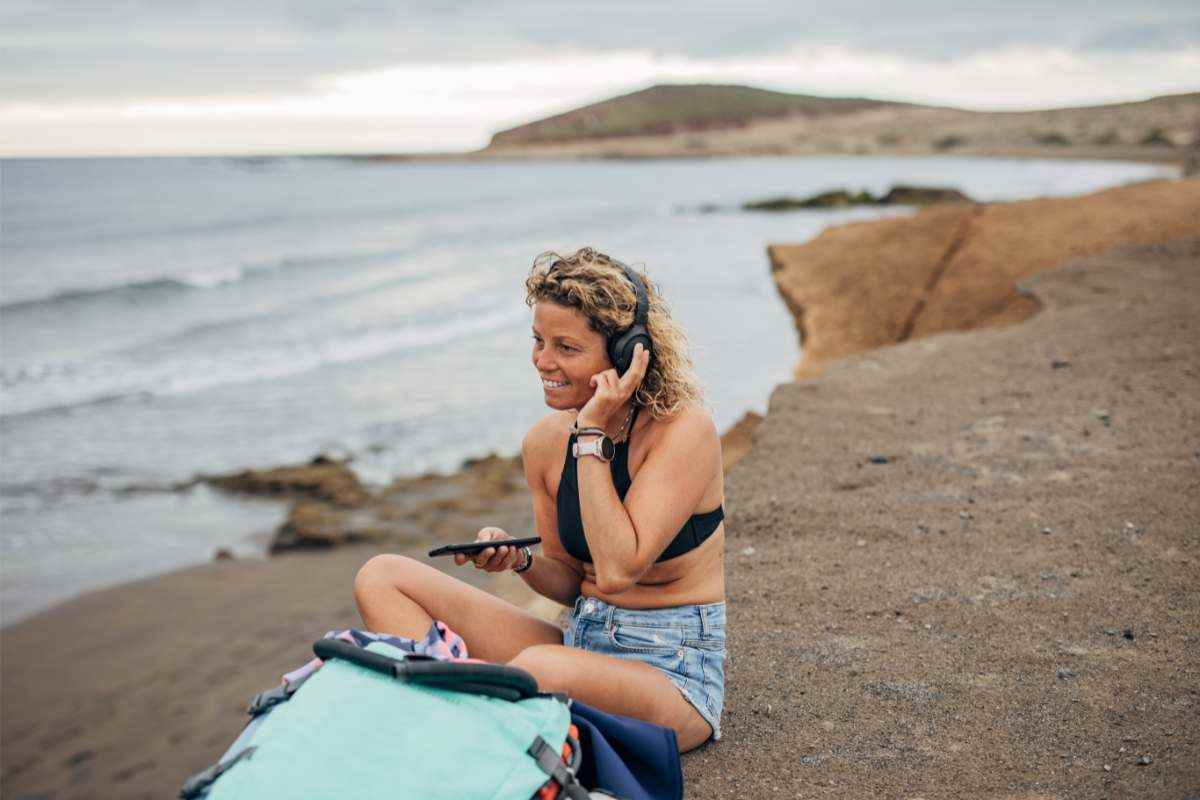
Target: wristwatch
x=528 y=560
x=602 y=448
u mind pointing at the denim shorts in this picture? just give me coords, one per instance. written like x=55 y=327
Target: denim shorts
x=686 y=643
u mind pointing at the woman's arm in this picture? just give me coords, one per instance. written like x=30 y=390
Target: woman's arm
x=553 y=574
x=626 y=539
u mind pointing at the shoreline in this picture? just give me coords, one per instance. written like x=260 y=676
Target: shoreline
x=1136 y=155
x=323 y=506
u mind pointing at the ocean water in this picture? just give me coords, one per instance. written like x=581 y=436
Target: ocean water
x=161 y=318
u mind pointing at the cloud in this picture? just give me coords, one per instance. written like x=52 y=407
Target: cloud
x=75 y=49
x=448 y=105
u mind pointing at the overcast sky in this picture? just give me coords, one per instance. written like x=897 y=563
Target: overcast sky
x=167 y=76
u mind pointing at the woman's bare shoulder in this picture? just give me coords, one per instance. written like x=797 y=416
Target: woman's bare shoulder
x=547 y=435
x=692 y=420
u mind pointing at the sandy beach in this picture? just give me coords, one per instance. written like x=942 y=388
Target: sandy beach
x=962 y=563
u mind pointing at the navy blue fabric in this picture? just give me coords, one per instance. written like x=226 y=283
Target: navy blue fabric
x=632 y=759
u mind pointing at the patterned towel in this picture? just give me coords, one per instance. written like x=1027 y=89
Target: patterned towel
x=440 y=643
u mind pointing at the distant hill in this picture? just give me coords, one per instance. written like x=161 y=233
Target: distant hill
x=667 y=109
x=719 y=120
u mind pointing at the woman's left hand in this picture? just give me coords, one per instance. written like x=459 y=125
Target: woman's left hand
x=612 y=390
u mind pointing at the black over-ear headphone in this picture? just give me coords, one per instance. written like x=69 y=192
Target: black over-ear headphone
x=621 y=344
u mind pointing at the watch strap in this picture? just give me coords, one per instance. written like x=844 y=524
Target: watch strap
x=528 y=560
x=593 y=448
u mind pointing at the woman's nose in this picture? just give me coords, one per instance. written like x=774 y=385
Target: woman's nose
x=543 y=360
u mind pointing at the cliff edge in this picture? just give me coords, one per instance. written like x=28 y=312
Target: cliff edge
x=956 y=267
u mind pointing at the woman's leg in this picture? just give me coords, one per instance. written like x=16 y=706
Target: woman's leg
x=616 y=685
x=401 y=596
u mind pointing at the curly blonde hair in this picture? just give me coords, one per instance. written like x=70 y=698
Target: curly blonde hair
x=593 y=284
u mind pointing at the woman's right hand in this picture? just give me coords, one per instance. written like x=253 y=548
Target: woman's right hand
x=493 y=559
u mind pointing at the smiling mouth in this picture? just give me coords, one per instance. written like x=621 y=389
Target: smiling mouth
x=553 y=384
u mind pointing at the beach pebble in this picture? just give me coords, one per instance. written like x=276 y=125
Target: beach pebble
x=1111 y=631
x=1107 y=768
x=748 y=551
x=1059 y=363
x=1046 y=531
x=1144 y=760
x=879 y=459
x=1066 y=674
x=1127 y=634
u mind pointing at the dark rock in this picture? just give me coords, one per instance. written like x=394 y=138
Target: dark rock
x=223 y=554
x=879 y=460
x=1127 y=634
x=1157 y=138
x=839 y=198
x=922 y=196
x=1144 y=760
x=1053 y=139
x=1067 y=674
x=1059 y=363
x=316 y=525
x=949 y=142
x=842 y=198
x=323 y=478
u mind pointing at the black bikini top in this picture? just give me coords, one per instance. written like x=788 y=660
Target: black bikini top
x=570 y=523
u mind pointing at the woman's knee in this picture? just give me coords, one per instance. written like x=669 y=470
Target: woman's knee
x=549 y=664
x=381 y=572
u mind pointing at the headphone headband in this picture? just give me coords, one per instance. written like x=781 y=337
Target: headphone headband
x=622 y=343
x=642 y=309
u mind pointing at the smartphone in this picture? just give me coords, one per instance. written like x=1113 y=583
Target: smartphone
x=473 y=548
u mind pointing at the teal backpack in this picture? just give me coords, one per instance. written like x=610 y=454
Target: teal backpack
x=379 y=722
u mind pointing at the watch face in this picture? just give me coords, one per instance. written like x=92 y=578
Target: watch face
x=607 y=448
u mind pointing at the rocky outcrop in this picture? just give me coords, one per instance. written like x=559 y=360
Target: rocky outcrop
x=922 y=196
x=842 y=198
x=323 y=478
x=958 y=267
x=316 y=524
x=736 y=441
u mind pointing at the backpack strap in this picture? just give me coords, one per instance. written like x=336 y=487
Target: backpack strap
x=195 y=785
x=265 y=701
x=550 y=762
x=492 y=680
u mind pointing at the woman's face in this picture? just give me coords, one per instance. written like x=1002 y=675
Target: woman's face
x=566 y=351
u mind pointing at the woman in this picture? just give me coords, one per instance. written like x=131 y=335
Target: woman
x=631 y=526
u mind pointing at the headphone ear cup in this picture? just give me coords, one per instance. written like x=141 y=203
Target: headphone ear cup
x=620 y=349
